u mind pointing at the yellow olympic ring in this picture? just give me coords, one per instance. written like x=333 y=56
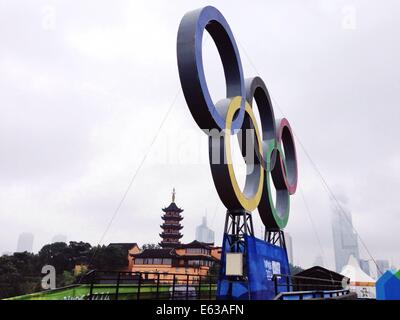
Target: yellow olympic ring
x=249 y=198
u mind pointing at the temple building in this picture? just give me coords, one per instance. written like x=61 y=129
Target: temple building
x=194 y=258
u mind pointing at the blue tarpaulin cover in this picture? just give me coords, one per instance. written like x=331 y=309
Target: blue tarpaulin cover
x=388 y=286
x=261 y=260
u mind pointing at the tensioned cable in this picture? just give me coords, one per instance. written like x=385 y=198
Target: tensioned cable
x=312 y=223
x=329 y=190
x=136 y=173
x=337 y=203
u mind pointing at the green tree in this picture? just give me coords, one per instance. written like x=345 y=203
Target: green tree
x=108 y=258
x=150 y=246
x=56 y=254
x=67 y=279
x=19 y=274
x=9 y=278
x=64 y=257
x=295 y=269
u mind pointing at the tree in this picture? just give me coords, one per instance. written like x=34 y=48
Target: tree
x=150 y=246
x=108 y=258
x=67 y=279
x=64 y=257
x=295 y=269
x=18 y=274
x=56 y=254
x=26 y=263
x=9 y=277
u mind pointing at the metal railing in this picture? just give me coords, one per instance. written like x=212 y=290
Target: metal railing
x=313 y=294
x=120 y=285
x=316 y=288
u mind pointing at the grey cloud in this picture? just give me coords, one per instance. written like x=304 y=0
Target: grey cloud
x=81 y=101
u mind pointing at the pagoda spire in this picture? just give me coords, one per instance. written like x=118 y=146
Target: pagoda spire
x=173 y=195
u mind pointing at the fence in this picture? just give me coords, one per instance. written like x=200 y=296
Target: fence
x=118 y=285
x=318 y=288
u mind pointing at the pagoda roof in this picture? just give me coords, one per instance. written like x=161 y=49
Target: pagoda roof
x=172 y=226
x=172 y=208
x=170 y=235
x=177 y=218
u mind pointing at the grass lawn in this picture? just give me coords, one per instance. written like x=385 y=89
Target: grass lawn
x=125 y=292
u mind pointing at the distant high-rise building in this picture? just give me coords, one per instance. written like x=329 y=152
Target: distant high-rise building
x=345 y=242
x=364 y=264
x=373 y=270
x=25 y=242
x=289 y=247
x=383 y=266
x=59 y=238
x=204 y=233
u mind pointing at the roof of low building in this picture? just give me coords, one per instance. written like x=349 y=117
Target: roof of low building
x=197 y=244
x=320 y=273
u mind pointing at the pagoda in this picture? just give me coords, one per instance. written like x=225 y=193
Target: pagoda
x=171 y=227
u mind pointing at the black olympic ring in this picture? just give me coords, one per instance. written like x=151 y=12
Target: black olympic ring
x=274 y=148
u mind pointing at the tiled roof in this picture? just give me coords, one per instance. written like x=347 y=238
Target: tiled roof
x=196 y=244
x=172 y=208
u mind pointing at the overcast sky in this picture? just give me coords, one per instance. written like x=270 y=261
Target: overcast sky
x=84 y=87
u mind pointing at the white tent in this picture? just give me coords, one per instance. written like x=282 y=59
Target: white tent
x=360 y=282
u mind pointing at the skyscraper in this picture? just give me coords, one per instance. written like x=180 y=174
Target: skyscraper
x=373 y=270
x=345 y=241
x=25 y=242
x=364 y=264
x=204 y=233
x=383 y=266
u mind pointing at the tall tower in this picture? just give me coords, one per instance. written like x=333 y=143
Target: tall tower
x=171 y=227
x=204 y=233
x=25 y=242
x=345 y=240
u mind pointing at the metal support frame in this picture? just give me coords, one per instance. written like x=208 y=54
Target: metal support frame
x=238 y=224
x=275 y=237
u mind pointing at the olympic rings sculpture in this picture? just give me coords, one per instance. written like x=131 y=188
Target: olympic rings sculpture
x=273 y=149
